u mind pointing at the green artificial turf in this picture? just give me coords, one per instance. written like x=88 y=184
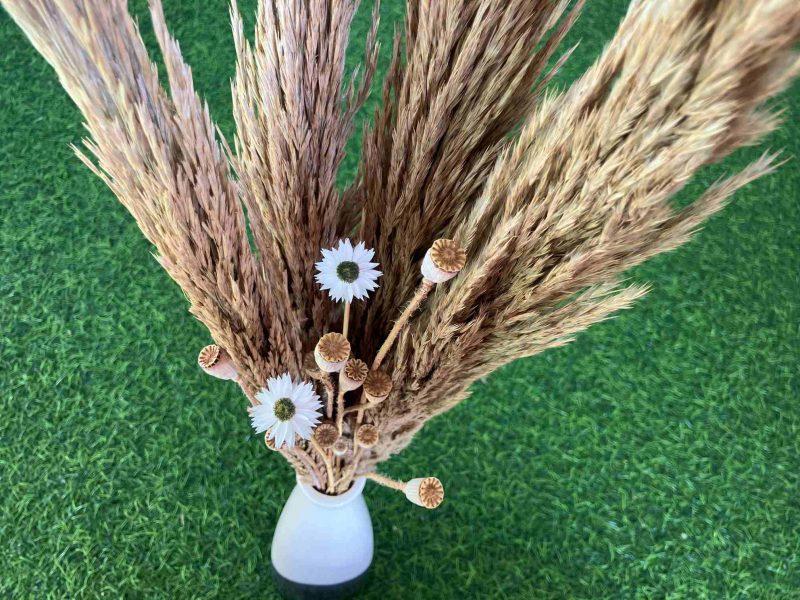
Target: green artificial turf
x=655 y=457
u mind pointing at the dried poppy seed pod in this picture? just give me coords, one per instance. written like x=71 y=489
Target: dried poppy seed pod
x=443 y=261
x=331 y=352
x=377 y=386
x=217 y=362
x=353 y=375
x=425 y=491
x=342 y=446
x=366 y=435
x=326 y=434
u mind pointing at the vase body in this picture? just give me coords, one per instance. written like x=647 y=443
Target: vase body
x=322 y=547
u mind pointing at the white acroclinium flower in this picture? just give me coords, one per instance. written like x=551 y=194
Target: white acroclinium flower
x=347 y=272
x=287 y=408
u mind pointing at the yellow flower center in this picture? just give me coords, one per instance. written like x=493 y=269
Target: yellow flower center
x=284 y=409
x=348 y=271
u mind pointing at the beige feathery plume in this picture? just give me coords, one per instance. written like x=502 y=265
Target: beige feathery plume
x=158 y=154
x=468 y=73
x=551 y=196
x=292 y=129
x=585 y=193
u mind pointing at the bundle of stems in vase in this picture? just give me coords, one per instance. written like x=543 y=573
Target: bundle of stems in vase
x=494 y=216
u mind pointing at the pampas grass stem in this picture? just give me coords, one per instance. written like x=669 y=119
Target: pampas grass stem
x=419 y=297
x=326 y=459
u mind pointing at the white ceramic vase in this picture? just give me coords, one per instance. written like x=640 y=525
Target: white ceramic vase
x=322 y=547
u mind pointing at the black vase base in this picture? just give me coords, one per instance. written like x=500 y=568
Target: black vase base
x=291 y=590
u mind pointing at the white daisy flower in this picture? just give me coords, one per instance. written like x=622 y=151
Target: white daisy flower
x=287 y=408
x=347 y=272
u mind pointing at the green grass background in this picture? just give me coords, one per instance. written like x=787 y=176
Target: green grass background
x=655 y=457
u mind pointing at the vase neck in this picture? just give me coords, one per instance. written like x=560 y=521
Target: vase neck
x=339 y=500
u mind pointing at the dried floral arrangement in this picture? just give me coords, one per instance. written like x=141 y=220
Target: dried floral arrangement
x=493 y=216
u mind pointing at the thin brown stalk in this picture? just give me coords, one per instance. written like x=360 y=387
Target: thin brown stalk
x=362 y=406
x=327 y=384
x=304 y=458
x=419 y=297
x=385 y=481
x=329 y=470
x=340 y=409
x=346 y=319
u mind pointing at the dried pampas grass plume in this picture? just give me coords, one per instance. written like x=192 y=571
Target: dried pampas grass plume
x=581 y=195
x=540 y=200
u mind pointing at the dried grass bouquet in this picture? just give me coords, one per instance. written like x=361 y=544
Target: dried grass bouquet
x=491 y=219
